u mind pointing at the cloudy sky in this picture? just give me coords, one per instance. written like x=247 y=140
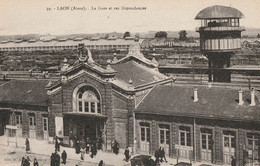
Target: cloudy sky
x=31 y=16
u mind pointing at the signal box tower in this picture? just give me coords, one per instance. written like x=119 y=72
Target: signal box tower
x=220 y=38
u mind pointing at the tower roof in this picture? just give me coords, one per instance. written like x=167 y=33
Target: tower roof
x=217 y=11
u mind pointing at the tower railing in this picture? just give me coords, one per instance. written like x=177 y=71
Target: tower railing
x=220 y=28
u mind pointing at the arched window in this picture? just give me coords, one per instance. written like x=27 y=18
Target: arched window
x=88 y=100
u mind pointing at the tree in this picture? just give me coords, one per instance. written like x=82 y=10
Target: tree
x=258 y=35
x=107 y=36
x=127 y=34
x=161 y=34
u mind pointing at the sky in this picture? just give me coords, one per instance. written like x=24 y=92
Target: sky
x=32 y=16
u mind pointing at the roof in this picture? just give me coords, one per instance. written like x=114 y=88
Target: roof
x=138 y=73
x=218 y=11
x=28 y=92
x=67 y=42
x=214 y=102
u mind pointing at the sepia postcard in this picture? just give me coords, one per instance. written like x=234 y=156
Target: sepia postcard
x=129 y=82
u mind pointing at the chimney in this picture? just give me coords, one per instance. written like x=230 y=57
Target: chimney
x=209 y=84
x=240 y=97
x=252 y=97
x=195 y=95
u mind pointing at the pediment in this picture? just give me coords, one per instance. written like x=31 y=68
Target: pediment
x=94 y=70
x=80 y=70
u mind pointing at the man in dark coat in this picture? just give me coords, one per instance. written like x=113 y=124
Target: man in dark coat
x=156 y=155
x=101 y=163
x=93 y=150
x=100 y=142
x=22 y=163
x=64 y=157
x=163 y=155
x=116 y=147
x=52 y=159
x=233 y=161
x=57 y=159
x=127 y=155
x=77 y=146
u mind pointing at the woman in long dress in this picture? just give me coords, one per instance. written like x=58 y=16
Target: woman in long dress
x=27 y=145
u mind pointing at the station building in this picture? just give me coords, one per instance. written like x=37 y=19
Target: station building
x=88 y=102
x=131 y=102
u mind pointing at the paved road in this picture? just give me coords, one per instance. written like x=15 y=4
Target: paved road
x=13 y=158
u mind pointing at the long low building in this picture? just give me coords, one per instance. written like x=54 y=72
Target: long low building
x=68 y=44
x=206 y=124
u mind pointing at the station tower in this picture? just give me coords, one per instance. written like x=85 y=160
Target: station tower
x=220 y=38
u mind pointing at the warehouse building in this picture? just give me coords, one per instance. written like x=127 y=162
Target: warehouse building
x=68 y=44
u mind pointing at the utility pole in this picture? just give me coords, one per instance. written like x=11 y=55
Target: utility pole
x=249 y=83
x=193 y=62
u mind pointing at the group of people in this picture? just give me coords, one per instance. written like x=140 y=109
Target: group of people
x=27 y=162
x=81 y=147
x=87 y=146
x=55 y=158
x=160 y=155
x=115 y=147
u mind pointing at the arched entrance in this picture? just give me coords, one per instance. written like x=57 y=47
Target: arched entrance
x=86 y=121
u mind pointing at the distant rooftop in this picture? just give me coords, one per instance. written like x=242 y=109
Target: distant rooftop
x=217 y=11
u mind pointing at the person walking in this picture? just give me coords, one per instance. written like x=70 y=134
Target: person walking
x=87 y=145
x=163 y=155
x=82 y=153
x=27 y=146
x=156 y=155
x=101 y=163
x=57 y=144
x=77 y=146
x=64 y=157
x=57 y=159
x=116 y=147
x=22 y=163
x=127 y=154
x=233 y=161
x=112 y=146
x=95 y=148
x=35 y=162
x=160 y=155
x=82 y=143
x=100 y=143
x=92 y=151
x=52 y=159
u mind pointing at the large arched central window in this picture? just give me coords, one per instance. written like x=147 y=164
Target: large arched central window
x=88 y=100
